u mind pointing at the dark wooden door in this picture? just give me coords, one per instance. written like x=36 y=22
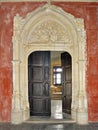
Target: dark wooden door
x=66 y=82
x=39 y=83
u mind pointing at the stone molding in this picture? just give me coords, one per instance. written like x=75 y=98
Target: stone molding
x=57 y=31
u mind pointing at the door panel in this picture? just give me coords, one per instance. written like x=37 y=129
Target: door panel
x=66 y=82
x=39 y=83
x=37 y=73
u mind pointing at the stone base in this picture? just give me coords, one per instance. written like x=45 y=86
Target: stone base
x=73 y=115
x=26 y=114
x=82 y=118
x=17 y=116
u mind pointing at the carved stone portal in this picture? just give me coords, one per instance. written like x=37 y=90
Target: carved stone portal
x=49 y=28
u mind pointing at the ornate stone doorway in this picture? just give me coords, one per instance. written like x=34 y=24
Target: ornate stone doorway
x=48 y=28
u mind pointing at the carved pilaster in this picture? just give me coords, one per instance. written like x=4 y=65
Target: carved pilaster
x=16 y=116
x=24 y=92
x=16 y=36
x=82 y=112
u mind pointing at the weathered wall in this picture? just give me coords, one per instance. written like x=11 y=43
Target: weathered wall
x=92 y=61
x=88 y=11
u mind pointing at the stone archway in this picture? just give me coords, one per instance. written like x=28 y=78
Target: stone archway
x=48 y=28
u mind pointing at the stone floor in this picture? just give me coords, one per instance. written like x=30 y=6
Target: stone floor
x=67 y=126
x=56 y=109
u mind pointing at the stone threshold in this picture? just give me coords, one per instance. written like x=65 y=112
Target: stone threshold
x=50 y=121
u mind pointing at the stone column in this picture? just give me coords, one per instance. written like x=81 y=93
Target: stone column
x=82 y=110
x=16 y=115
x=75 y=80
x=24 y=90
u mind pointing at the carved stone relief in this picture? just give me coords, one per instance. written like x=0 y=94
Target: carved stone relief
x=49 y=31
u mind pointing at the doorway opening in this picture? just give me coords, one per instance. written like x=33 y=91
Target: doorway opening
x=49 y=84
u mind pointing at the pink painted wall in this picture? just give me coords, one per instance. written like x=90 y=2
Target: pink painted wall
x=88 y=11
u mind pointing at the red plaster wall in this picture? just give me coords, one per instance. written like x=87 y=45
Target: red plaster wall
x=92 y=62
x=88 y=11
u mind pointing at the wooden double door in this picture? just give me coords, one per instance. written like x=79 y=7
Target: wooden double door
x=39 y=83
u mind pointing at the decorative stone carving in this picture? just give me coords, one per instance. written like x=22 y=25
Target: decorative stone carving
x=49 y=28
x=49 y=31
x=49 y=1
x=79 y=23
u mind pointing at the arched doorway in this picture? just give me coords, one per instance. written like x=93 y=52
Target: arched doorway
x=48 y=28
